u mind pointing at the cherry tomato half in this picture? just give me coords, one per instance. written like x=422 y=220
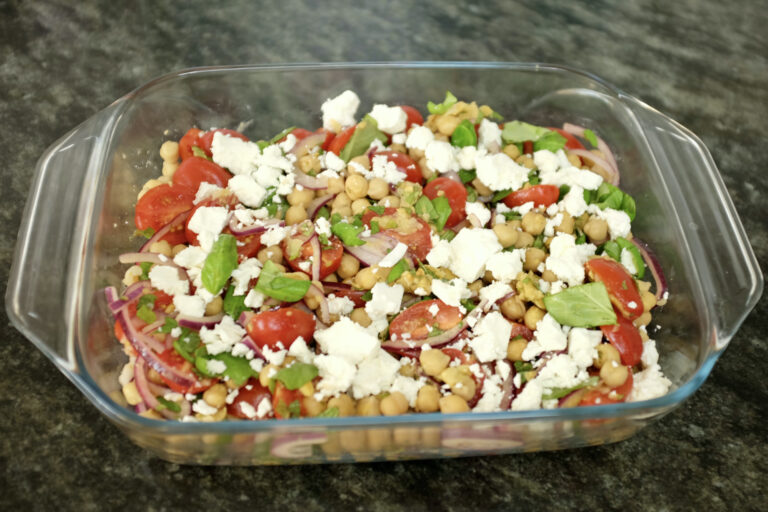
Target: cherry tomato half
x=280 y=325
x=417 y=320
x=196 y=170
x=159 y=205
x=571 y=141
x=404 y=164
x=414 y=117
x=625 y=337
x=187 y=141
x=178 y=363
x=253 y=397
x=520 y=330
x=541 y=195
x=454 y=192
x=340 y=140
x=603 y=397
x=330 y=257
x=282 y=400
x=205 y=139
x=620 y=285
x=408 y=229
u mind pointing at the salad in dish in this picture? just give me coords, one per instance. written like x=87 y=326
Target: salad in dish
x=386 y=265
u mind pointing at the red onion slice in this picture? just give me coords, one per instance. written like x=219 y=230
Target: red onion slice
x=452 y=175
x=146 y=257
x=653 y=265
x=245 y=318
x=248 y=342
x=601 y=145
x=310 y=182
x=613 y=174
x=317 y=204
x=133 y=292
x=238 y=230
x=154 y=325
x=198 y=322
x=508 y=390
x=176 y=221
x=375 y=248
x=296 y=446
x=303 y=146
x=142 y=383
x=434 y=341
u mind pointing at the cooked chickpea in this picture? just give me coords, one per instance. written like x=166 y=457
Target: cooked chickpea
x=367 y=277
x=169 y=168
x=161 y=247
x=597 y=230
x=574 y=160
x=511 y=151
x=506 y=234
x=273 y=253
x=341 y=200
x=307 y=389
x=446 y=124
x=300 y=197
x=426 y=172
x=526 y=161
x=450 y=404
x=132 y=275
x=524 y=239
x=169 y=151
x=356 y=187
x=533 y=258
x=335 y=185
x=131 y=394
x=566 y=225
x=649 y=300
x=416 y=154
x=295 y=214
x=513 y=308
x=534 y=223
x=151 y=414
x=390 y=201
x=549 y=276
x=532 y=317
x=428 y=399
x=359 y=316
x=476 y=286
x=368 y=406
x=394 y=404
x=606 y=353
x=433 y=361
x=361 y=160
x=214 y=307
x=177 y=249
x=309 y=163
x=614 y=374
x=360 y=205
x=312 y=406
x=344 y=403
x=215 y=395
x=515 y=349
x=643 y=319
x=465 y=387
x=378 y=189
x=344 y=211
x=348 y=267
x=481 y=188
x=266 y=374
x=352 y=441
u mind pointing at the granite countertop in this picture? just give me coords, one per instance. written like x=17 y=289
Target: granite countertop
x=704 y=64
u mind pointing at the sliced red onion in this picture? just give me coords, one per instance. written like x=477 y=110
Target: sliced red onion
x=303 y=146
x=433 y=341
x=333 y=286
x=238 y=230
x=316 y=258
x=375 y=248
x=453 y=175
x=310 y=182
x=601 y=145
x=198 y=322
x=508 y=390
x=154 y=325
x=133 y=292
x=248 y=342
x=142 y=383
x=176 y=221
x=474 y=221
x=653 y=265
x=146 y=257
x=245 y=318
x=139 y=408
x=613 y=174
x=318 y=203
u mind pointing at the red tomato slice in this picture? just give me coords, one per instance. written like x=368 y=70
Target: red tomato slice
x=247 y=245
x=283 y=398
x=410 y=230
x=599 y=397
x=356 y=296
x=330 y=257
x=340 y=140
x=414 y=117
x=177 y=362
x=196 y=170
x=417 y=320
x=187 y=141
x=329 y=136
x=455 y=353
x=161 y=204
x=280 y=325
x=625 y=337
x=520 y=330
x=454 y=192
x=253 y=397
x=620 y=285
x=205 y=139
x=571 y=141
x=299 y=133
x=541 y=195
x=404 y=164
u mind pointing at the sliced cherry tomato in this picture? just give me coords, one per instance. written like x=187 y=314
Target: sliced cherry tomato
x=414 y=117
x=330 y=258
x=340 y=140
x=196 y=170
x=177 y=362
x=247 y=246
x=613 y=396
x=187 y=141
x=408 y=229
x=417 y=320
x=119 y=333
x=541 y=195
x=454 y=192
x=329 y=136
x=162 y=299
x=205 y=139
x=625 y=337
x=282 y=400
x=455 y=353
x=404 y=164
x=299 y=133
x=161 y=204
x=520 y=330
x=280 y=325
x=356 y=296
x=620 y=285
x=571 y=141
x=253 y=393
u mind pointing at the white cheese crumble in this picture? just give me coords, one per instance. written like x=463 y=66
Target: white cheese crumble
x=247 y=190
x=347 y=340
x=242 y=275
x=385 y=300
x=339 y=305
x=237 y=155
x=340 y=111
x=499 y=172
x=451 y=292
x=479 y=210
x=222 y=337
x=207 y=222
x=389 y=119
x=566 y=259
x=441 y=157
x=419 y=138
x=393 y=256
x=166 y=278
x=375 y=374
x=491 y=337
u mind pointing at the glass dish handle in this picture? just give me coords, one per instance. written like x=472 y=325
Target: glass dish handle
x=728 y=270
x=37 y=301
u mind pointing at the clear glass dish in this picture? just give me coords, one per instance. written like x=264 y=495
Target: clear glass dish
x=79 y=218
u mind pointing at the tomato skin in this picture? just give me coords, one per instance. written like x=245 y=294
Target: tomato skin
x=187 y=141
x=414 y=117
x=625 y=337
x=340 y=140
x=541 y=195
x=299 y=133
x=356 y=296
x=404 y=164
x=598 y=397
x=280 y=325
x=205 y=139
x=454 y=192
x=330 y=257
x=177 y=362
x=620 y=285
x=252 y=397
x=287 y=397
x=250 y=246
x=161 y=204
x=571 y=141
x=196 y=170
x=329 y=136
x=419 y=241
x=417 y=319
x=520 y=330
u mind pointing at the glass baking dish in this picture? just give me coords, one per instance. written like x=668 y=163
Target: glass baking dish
x=79 y=218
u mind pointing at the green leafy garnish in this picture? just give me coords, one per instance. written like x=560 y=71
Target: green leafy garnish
x=533 y=177
x=238 y=369
x=543 y=138
x=296 y=375
x=468 y=304
x=501 y=194
x=523 y=366
x=187 y=343
x=512 y=215
x=442 y=108
x=538 y=242
x=333 y=412
x=396 y=271
x=551 y=141
x=274 y=284
x=146 y=233
x=347 y=233
x=555 y=393
x=367 y=296
x=591 y=137
x=467 y=176
x=147 y=300
x=199 y=152
x=586 y=305
x=609 y=196
x=614 y=248
x=435 y=211
x=471 y=194
x=377 y=209
x=564 y=189
x=409 y=193
x=169 y=325
x=144 y=308
x=167 y=404
x=464 y=134
x=280 y=135
x=219 y=263
x=145 y=267
x=324 y=212
x=448 y=235
x=375 y=227
x=234 y=305
x=366 y=132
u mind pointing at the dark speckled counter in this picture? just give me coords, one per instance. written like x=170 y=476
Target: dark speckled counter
x=703 y=63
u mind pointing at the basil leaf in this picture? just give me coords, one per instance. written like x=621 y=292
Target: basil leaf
x=396 y=271
x=564 y=189
x=443 y=209
x=471 y=194
x=561 y=392
x=348 y=233
x=425 y=209
x=167 y=404
x=238 y=369
x=590 y=136
x=586 y=305
x=522 y=366
x=512 y=215
x=609 y=196
x=365 y=133
x=375 y=227
x=468 y=304
x=533 y=177
x=551 y=140
x=467 y=176
x=377 y=209
x=324 y=212
x=464 y=135
x=296 y=375
x=234 y=305
x=614 y=249
x=294 y=409
x=367 y=296
x=147 y=300
x=198 y=152
x=169 y=325
x=145 y=267
x=280 y=135
x=146 y=314
x=333 y=412
x=448 y=235
x=501 y=194
x=442 y=108
x=538 y=242
x=518 y=131
x=187 y=344
x=146 y=233
x=273 y=283
x=219 y=263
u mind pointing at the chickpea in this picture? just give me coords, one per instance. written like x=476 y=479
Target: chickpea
x=352 y=440
x=511 y=151
x=428 y=399
x=341 y=200
x=361 y=160
x=566 y=225
x=574 y=160
x=481 y=188
x=643 y=319
x=394 y=404
x=446 y=124
x=453 y=404
x=309 y=163
x=426 y=172
x=356 y=187
x=506 y=234
x=169 y=151
x=614 y=374
x=214 y=307
x=416 y=154
x=597 y=230
x=643 y=286
x=151 y=414
x=344 y=403
x=406 y=436
x=161 y=247
x=335 y=185
x=513 y=308
x=348 y=267
x=524 y=239
x=300 y=197
x=515 y=349
x=378 y=189
x=266 y=374
x=344 y=211
x=399 y=148
x=360 y=205
x=526 y=161
x=368 y=406
x=169 y=169
x=649 y=300
x=273 y=253
x=606 y=353
x=378 y=439
x=534 y=223
x=532 y=317
x=533 y=258
x=312 y=406
x=215 y=395
x=367 y=277
x=177 y=249
x=390 y=201
x=433 y=361
x=476 y=286
x=131 y=394
x=295 y=214
x=132 y=275
x=359 y=316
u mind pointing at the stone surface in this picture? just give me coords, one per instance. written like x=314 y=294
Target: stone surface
x=704 y=64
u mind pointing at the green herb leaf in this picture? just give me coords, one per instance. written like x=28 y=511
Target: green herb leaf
x=365 y=133
x=273 y=283
x=324 y=212
x=396 y=271
x=234 y=305
x=367 y=296
x=614 y=248
x=468 y=304
x=333 y=412
x=219 y=263
x=146 y=314
x=167 y=404
x=377 y=209
x=464 y=134
x=147 y=300
x=448 y=235
x=512 y=215
x=442 y=108
x=522 y=366
x=294 y=409
x=187 y=344
x=169 y=325
x=296 y=375
x=443 y=210
x=533 y=177
x=608 y=196
x=145 y=267
x=586 y=305
x=561 y=392
x=551 y=140
x=280 y=135
x=471 y=194
x=501 y=194
x=348 y=233
x=238 y=369
x=518 y=131
x=199 y=152
x=146 y=233
x=564 y=189
x=538 y=242
x=467 y=176
x=425 y=209
x=375 y=227
x=591 y=137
